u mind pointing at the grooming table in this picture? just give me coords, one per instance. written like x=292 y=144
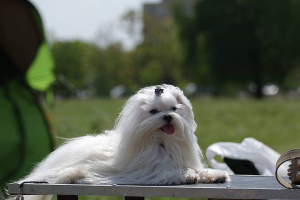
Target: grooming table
x=240 y=187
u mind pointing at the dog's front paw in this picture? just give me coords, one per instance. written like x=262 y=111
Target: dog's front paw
x=177 y=177
x=213 y=176
x=190 y=177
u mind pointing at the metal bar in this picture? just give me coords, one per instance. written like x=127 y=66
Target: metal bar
x=228 y=199
x=240 y=187
x=134 y=198
x=67 y=197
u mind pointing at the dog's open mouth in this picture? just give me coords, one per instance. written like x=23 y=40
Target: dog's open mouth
x=168 y=129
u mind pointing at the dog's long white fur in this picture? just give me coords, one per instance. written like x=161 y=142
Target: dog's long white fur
x=136 y=150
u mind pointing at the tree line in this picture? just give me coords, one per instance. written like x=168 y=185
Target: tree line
x=223 y=44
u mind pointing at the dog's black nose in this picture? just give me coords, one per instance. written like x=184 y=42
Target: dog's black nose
x=168 y=118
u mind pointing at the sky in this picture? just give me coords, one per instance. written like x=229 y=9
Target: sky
x=89 y=20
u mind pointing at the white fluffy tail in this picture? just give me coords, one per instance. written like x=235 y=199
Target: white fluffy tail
x=32 y=197
x=37 y=197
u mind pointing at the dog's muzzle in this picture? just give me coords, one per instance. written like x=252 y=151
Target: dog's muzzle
x=168 y=128
x=168 y=118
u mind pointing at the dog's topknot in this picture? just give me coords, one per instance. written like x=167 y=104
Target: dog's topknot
x=158 y=91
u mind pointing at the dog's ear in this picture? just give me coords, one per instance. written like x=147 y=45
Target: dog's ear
x=181 y=98
x=187 y=104
x=132 y=111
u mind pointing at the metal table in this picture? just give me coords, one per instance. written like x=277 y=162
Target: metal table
x=240 y=187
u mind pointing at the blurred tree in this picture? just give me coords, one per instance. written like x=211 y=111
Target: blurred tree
x=75 y=65
x=113 y=69
x=194 y=56
x=157 y=58
x=245 y=41
x=131 y=21
x=69 y=59
x=85 y=66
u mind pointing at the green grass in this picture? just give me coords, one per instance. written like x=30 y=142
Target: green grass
x=275 y=122
x=74 y=118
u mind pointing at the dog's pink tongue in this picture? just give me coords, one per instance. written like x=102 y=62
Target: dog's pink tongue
x=168 y=129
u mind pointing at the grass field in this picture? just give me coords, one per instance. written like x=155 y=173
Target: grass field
x=275 y=122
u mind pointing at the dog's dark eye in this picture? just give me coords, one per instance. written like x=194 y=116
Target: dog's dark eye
x=154 y=111
x=174 y=108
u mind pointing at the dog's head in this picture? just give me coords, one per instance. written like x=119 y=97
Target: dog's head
x=158 y=120
x=157 y=112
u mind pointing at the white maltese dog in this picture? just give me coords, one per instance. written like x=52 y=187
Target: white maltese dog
x=152 y=143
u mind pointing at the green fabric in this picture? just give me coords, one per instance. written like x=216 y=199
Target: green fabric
x=9 y=138
x=22 y=149
x=40 y=74
x=24 y=136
